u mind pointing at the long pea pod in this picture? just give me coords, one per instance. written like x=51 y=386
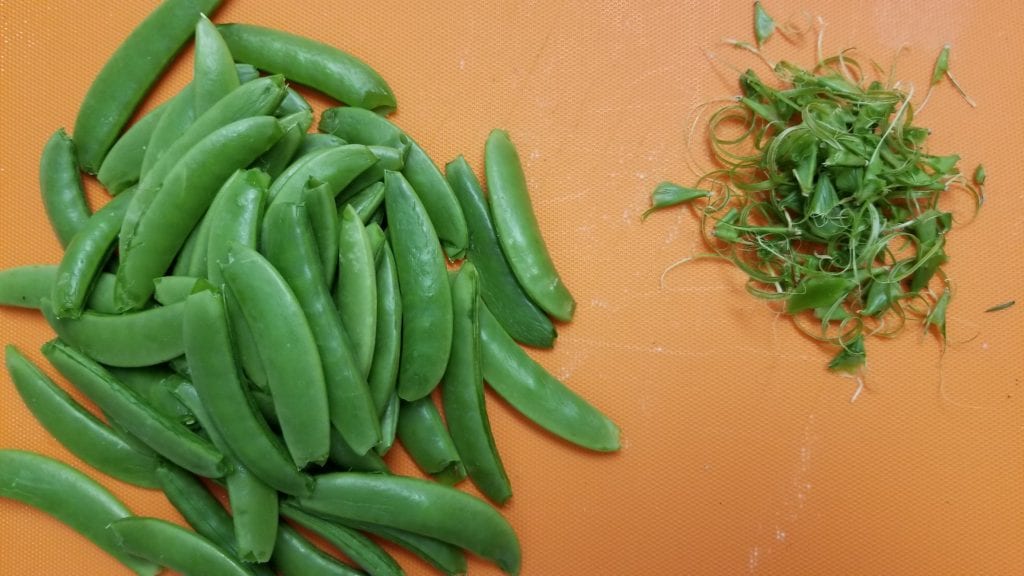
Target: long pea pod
x=366 y=201
x=364 y=552
x=450 y=560
x=355 y=291
x=27 y=286
x=179 y=115
x=387 y=349
x=156 y=385
x=123 y=164
x=61 y=187
x=345 y=458
x=323 y=218
x=424 y=436
x=170 y=290
x=175 y=547
x=388 y=158
x=235 y=216
x=214 y=74
x=278 y=158
x=389 y=424
x=316 y=141
x=294 y=555
x=69 y=496
x=333 y=166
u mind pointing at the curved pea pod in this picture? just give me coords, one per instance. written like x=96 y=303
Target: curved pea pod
x=335 y=167
x=388 y=158
x=363 y=127
x=323 y=218
x=289 y=245
x=292 y=103
x=215 y=377
x=166 y=436
x=316 y=141
x=172 y=546
x=191 y=259
x=170 y=290
x=423 y=283
x=28 y=286
x=499 y=288
x=421 y=507
x=235 y=217
x=462 y=393
x=518 y=230
x=124 y=340
x=248 y=352
x=123 y=165
x=388 y=346
x=306 y=61
x=538 y=395
x=448 y=559
x=426 y=439
x=178 y=116
x=364 y=552
x=197 y=506
x=365 y=202
x=61 y=187
x=294 y=555
x=287 y=350
x=157 y=385
x=277 y=159
x=149 y=245
x=345 y=458
x=85 y=256
x=76 y=428
x=214 y=74
x=355 y=292
x=389 y=424
x=69 y=496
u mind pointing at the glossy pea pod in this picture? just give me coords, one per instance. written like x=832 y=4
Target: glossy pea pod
x=289 y=245
x=235 y=216
x=165 y=435
x=424 y=436
x=366 y=201
x=421 y=507
x=317 y=141
x=213 y=67
x=499 y=288
x=363 y=551
x=69 y=496
x=28 y=286
x=334 y=167
x=83 y=434
x=389 y=424
x=423 y=284
x=355 y=291
x=294 y=555
x=157 y=385
x=170 y=290
x=277 y=159
x=387 y=348
x=127 y=76
x=323 y=219
x=448 y=559
x=345 y=458
x=518 y=230
x=462 y=393
x=388 y=158
x=61 y=187
x=170 y=545
x=123 y=164
x=292 y=103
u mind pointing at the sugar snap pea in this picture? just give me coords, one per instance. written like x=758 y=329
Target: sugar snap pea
x=447 y=558
x=27 y=286
x=427 y=508
x=366 y=553
x=277 y=159
x=323 y=218
x=157 y=386
x=294 y=555
x=366 y=201
x=345 y=458
x=214 y=74
x=389 y=424
x=179 y=115
x=61 y=187
x=166 y=436
x=387 y=348
x=76 y=428
x=292 y=103
x=355 y=292
x=377 y=236
x=335 y=167
x=423 y=284
x=127 y=76
x=317 y=141
x=175 y=547
x=170 y=290
x=248 y=352
x=388 y=158
x=306 y=61
x=123 y=164
x=198 y=506
x=518 y=230
x=424 y=436
x=235 y=216
x=69 y=496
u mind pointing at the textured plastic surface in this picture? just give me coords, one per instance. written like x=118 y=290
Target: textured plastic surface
x=741 y=453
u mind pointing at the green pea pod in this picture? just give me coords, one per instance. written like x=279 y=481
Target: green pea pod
x=323 y=218
x=296 y=556
x=387 y=348
x=235 y=215
x=198 y=506
x=335 y=167
x=376 y=236
x=538 y=395
x=61 y=187
x=356 y=289
x=156 y=385
x=166 y=436
x=123 y=165
x=214 y=74
x=287 y=350
x=69 y=496
x=426 y=508
x=76 y=428
x=364 y=552
x=155 y=237
x=248 y=352
x=447 y=558
x=423 y=283
x=191 y=260
x=175 y=547
x=325 y=68
x=499 y=287
x=345 y=458
x=389 y=424
x=292 y=103
x=363 y=127
x=425 y=437
x=277 y=159
x=388 y=158
x=366 y=201
x=180 y=114
x=85 y=256
x=518 y=230
x=316 y=141
x=215 y=377
x=462 y=393
x=125 y=340
x=28 y=286
x=170 y=290
x=289 y=245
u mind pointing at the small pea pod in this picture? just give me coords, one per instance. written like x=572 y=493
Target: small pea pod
x=538 y=395
x=235 y=216
x=323 y=217
x=363 y=551
x=76 y=428
x=214 y=74
x=325 y=68
x=355 y=292
x=123 y=165
x=425 y=437
x=388 y=158
x=389 y=424
x=335 y=167
x=366 y=201
x=175 y=547
x=447 y=558
x=427 y=508
x=296 y=556
x=518 y=230
x=61 y=186
x=69 y=496
x=277 y=159
x=166 y=436
x=423 y=283
x=387 y=348
x=499 y=287
x=28 y=286
x=316 y=141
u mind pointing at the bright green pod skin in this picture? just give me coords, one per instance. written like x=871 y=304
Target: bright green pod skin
x=123 y=340
x=449 y=559
x=345 y=458
x=388 y=158
x=425 y=437
x=363 y=127
x=235 y=217
x=170 y=290
x=355 y=291
x=426 y=508
x=296 y=556
x=179 y=115
x=499 y=287
x=287 y=350
x=388 y=346
x=157 y=385
x=191 y=258
x=175 y=547
x=85 y=256
x=317 y=141
x=423 y=283
x=61 y=187
x=198 y=506
x=358 y=547
x=311 y=63
x=278 y=158
x=130 y=72
x=334 y=167
x=289 y=245
x=366 y=201
x=168 y=437
x=538 y=395
x=28 y=286
x=323 y=218
x=518 y=230
x=292 y=103
x=215 y=376
x=462 y=393
x=69 y=496
x=83 y=434
x=214 y=74
x=150 y=243
x=123 y=165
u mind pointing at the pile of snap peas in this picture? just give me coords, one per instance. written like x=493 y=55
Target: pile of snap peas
x=269 y=309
